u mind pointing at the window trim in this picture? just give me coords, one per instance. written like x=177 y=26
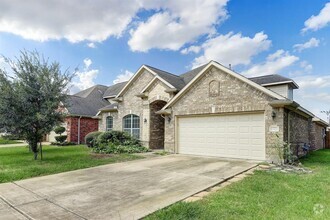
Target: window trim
x=130 y=130
x=107 y=128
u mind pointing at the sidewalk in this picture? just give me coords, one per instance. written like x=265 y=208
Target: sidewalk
x=20 y=144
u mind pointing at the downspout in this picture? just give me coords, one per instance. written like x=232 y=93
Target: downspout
x=79 y=129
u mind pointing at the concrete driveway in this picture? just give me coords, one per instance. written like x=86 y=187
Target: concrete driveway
x=128 y=190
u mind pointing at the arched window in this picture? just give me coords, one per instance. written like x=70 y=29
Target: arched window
x=131 y=125
x=109 y=123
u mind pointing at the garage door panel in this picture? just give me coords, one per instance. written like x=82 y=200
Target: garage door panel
x=235 y=136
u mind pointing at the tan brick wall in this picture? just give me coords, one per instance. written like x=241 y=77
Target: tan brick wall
x=318 y=141
x=132 y=104
x=298 y=131
x=234 y=96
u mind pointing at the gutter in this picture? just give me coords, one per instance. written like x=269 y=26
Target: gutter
x=79 y=129
x=291 y=105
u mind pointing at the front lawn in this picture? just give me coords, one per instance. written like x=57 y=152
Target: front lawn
x=265 y=195
x=5 y=141
x=17 y=163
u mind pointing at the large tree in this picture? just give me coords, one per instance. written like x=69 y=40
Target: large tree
x=31 y=93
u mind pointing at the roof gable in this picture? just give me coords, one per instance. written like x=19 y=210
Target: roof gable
x=139 y=72
x=203 y=69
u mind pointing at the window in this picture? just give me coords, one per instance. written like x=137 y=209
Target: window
x=131 y=125
x=109 y=123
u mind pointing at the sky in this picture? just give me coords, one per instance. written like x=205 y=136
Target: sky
x=108 y=40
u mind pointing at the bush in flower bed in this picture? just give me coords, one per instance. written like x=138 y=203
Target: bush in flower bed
x=112 y=148
x=91 y=138
x=117 y=142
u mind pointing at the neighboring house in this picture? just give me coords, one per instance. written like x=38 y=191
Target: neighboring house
x=81 y=109
x=212 y=111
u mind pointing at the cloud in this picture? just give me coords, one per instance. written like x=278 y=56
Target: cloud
x=177 y=23
x=73 y=20
x=313 y=42
x=123 y=77
x=306 y=66
x=191 y=49
x=232 y=49
x=84 y=79
x=313 y=93
x=313 y=81
x=91 y=45
x=274 y=64
x=319 y=21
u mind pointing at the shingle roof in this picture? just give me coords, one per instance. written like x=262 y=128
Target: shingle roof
x=86 y=102
x=109 y=107
x=188 y=76
x=172 y=79
x=271 y=79
x=114 y=89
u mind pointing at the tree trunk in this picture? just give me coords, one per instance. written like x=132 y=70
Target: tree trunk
x=40 y=146
x=34 y=148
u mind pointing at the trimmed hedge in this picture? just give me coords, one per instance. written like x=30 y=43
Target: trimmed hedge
x=61 y=139
x=117 y=137
x=90 y=138
x=114 y=142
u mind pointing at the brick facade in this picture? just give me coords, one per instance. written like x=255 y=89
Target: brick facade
x=157 y=123
x=215 y=93
x=141 y=107
x=300 y=130
x=234 y=96
x=87 y=125
x=327 y=142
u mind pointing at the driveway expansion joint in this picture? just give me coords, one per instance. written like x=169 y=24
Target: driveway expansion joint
x=46 y=199
x=15 y=208
x=221 y=184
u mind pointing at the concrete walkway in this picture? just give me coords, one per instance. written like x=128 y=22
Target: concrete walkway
x=128 y=190
x=20 y=144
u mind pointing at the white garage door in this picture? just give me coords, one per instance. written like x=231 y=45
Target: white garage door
x=232 y=136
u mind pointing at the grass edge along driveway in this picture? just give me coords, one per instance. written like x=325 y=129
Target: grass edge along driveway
x=265 y=195
x=16 y=163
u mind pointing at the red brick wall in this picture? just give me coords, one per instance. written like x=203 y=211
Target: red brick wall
x=87 y=125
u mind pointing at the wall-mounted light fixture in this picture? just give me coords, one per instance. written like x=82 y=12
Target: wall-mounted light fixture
x=169 y=119
x=145 y=120
x=273 y=114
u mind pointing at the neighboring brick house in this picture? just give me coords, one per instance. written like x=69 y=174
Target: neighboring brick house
x=212 y=111
x=81 y=109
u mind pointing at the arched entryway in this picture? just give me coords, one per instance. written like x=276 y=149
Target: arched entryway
x=157 y=125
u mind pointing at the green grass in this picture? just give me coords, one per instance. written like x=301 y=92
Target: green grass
x=5 y=141
x=17 y=163
x=265 y=195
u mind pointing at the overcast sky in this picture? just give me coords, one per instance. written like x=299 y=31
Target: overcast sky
x=110 y=39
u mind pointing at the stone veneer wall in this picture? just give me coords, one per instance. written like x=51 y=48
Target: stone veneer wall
x=87 y=125
x=234 y=96
x=132 y=104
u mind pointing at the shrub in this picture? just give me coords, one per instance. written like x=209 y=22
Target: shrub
x=65 y=143
x=59 y=130
x=112 y=148
x=90 y=138
x=117 y=137
x=61 y=139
